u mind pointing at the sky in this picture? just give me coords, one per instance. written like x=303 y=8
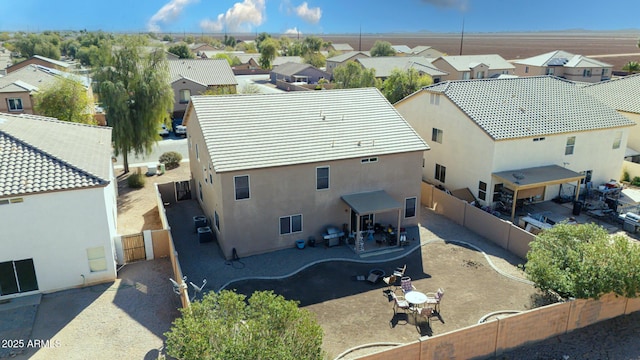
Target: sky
x=318 y=16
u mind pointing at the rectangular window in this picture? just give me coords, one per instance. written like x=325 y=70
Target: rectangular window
x=435 y=99
x=410 y=207
x=526 y=69
x=17 y=276
x=480 y=75
x=497 y=192
x=440 y=172
x=200 y=190
x=290 y=224
x=571 y=143
x=482 y=190
x=466 y=75
x=216 y=220
x=97 y=259
x=197 y=153
x=369 y=160
x=586 y=72
x=322 y=178
x=436 y=135
x=242 y=186
x=605 y=71
x=15 y=104
x=185 y=95
x=550 y=71
x=538 y=139
x=617 y=140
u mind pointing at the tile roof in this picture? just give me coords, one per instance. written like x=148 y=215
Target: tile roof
x=33 y=77
x=291 y=68
x=529 y=106
x=622 y=94
x=384 y=65
x=279 y=60
x=56 y=62
x=562 y=58
x=465 y=62
x=38 y=154
x=347 y=55
x=580 y=61
x=208 y=72
x=401 y=49
x=266 y=130
x=342 y=47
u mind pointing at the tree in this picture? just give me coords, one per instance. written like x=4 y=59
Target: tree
x=352 y=75
x=382 y=48
x=167 y=38
x=134 y=90
x=583 y=261
x=224 y=326
x=182 y=50
x=65 y=99
x=269 y=52
x=260 y=39
x=632 y=67
x=403 y=83
x=232 y=60
x=46 y=44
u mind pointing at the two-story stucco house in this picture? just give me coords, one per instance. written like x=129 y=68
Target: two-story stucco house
x=385 y=65
x=342 y=59
x=58 y=207
x=565 y=65
x=270 y=169
x=465 y=67
x=195 y=76
x=524 y=137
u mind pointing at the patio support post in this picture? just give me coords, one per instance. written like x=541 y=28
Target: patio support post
x=398 y=228
x=356 y=243
x=577 y=190
x=513 y=205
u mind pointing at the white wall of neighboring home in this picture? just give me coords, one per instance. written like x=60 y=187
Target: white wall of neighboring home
x=55 y=230
x=470 y=155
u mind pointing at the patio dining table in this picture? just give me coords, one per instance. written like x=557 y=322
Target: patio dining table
x=415 y=297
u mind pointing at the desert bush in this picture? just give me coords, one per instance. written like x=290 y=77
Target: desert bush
x=635 y=181
x=171 y=159
x=136 y=181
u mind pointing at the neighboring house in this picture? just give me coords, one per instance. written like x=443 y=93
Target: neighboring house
x=343 y=48
x=426 y=51
x=530 y=138
x=279 y=60
x=402 y=49
x=198 y=48
x=565 y=65
x=297 y=73
x=384 y=66
x=622 y=94
x=338 y=60
x=465 y=67
x=58 y=206
x=195 y=76
x=248 y=61
x=39 y=60
x=18 y=87
x=271 y=169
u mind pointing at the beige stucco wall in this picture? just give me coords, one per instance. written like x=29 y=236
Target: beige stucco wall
x=634 y=132
x=252 y=225
x=184 y=84
x=521 y=70
x=27 y=104
x=470 y=155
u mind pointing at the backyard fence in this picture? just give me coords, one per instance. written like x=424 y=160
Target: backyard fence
x=495 y=337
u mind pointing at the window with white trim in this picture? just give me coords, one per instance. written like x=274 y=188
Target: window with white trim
x=97 y=259
x=482 y=190
x=410 y=207
x=466 y=75
x=571 y=144
x=185 y=95
x=436 y=135
x=290 y=224
x=586 y=72
x=434 y=99
x=241 y=184
x=441 y=172
x=617 y=140
x=550 y=71
x=322 y=178
x=14 y=104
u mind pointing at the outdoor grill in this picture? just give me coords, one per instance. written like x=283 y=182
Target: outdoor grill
x=332 y=236
x=631 y=222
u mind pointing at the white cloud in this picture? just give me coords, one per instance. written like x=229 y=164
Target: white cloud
x=293 y=31
x=169 y=12
x=310 y=15
x=240 y=17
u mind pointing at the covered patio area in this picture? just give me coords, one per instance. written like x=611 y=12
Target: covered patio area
x=531 y=184
x=369 y=212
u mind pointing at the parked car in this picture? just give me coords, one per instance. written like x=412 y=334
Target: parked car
x=180 y=130
x=163 y=131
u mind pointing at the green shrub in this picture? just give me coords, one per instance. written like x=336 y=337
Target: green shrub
x=136 y=181
x=625 y=176
x=635 y=181
x=171 y=159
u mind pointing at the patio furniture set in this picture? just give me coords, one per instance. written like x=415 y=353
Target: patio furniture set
x=406 y=298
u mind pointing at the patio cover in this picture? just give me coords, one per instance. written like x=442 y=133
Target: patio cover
x=371 y=202
x=537 y=176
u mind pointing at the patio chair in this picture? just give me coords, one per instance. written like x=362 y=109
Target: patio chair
x=390 y=281
x=435 y=299
x=405 y=284
x=426 y=313
x=399 y=271
x=399 y=302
